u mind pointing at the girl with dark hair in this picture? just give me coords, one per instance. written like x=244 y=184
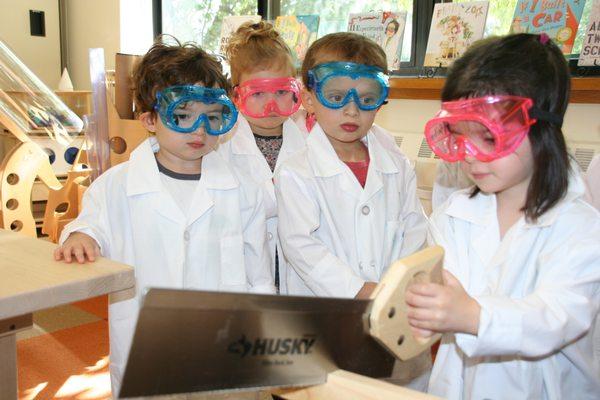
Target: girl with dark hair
x=519 y=304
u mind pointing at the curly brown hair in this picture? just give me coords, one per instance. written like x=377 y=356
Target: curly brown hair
x=343 y=46
x=257 y=46
x=174 y=64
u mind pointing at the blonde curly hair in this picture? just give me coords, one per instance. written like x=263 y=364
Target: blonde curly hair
x=257 y=46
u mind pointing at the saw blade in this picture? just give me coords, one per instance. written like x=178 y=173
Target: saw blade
x=195 y=341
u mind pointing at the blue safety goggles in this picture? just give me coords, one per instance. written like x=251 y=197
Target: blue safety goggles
x=186 y=108
x=336 y=83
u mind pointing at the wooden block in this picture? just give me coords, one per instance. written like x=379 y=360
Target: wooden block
x=344 y=385
x=388 y=321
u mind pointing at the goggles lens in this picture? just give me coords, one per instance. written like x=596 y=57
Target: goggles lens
x=487 y=128
x=338 y=83
x=186 y=108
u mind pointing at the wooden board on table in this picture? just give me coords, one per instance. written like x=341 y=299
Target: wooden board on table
x=344 y=385
x=32 y=280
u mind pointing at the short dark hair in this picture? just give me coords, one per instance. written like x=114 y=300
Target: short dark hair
x=530 y=66
x=174 y=64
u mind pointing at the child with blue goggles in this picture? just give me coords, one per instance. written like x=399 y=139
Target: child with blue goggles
x=176 y=209
x=347 y=202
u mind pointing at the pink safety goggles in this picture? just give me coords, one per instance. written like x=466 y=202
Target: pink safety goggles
x=486 y=128
x=260 y=98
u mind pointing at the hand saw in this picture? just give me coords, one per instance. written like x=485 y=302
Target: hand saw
x=196 y=341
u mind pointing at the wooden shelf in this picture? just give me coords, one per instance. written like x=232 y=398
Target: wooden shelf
x=583 y=90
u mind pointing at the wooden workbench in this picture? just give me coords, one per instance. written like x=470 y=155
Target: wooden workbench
x=30 y=280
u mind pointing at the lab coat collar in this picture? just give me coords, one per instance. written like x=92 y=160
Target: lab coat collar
x=244 y=143
x=144 y=178
x=143 y=175
x=242 y=140
x=326 y=163
x=481 y=209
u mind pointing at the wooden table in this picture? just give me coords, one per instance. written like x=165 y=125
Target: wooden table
x=30 y=280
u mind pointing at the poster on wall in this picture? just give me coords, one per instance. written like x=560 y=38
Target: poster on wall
x=454 y=27
x=298 y=32
x=558 y=19
x=385 y=28
x=230 y=25
x=590 y=49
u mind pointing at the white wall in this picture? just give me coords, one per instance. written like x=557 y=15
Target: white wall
x=40 y=54
x=136 y=26
x=90 y=24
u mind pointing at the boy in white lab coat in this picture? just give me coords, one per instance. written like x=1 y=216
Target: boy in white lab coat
x=347 y=203
x=176 y=210
x=267 y=94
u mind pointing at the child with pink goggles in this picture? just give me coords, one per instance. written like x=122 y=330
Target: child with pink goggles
x=260 y=98
x=486 y=128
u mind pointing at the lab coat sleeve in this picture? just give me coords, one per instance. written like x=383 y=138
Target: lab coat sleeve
x=561 y=309
x=93 y=219
x=413 y=218
x=257 y=258
x=322 y=272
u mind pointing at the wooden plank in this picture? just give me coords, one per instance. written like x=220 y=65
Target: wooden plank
x=388 y=322
x=583 y=90
x=32 y=280
x=344 y=385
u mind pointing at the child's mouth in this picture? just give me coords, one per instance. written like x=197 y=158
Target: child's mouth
x=349 y=127
x=196 y=145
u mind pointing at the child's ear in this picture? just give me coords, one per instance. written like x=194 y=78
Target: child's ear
x=308 y=101
x=148 y=119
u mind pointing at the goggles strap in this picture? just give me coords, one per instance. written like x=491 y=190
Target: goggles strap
x=547 y=116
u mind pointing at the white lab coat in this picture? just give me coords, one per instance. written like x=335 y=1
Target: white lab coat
x=592 y=178
x=239 y=149
x=336 y=235
x=219 y=245
x=539 y=292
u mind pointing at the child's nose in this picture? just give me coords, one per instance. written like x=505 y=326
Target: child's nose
x=201 y=131
x=351 y=108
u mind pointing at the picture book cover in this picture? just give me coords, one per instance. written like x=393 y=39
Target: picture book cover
x=230 y=25
x=559 y=19
x=590 y=49
x=298 y=31
x=386 y=28
x=454 y=27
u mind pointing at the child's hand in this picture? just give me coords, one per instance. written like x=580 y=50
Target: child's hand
x=78 y=246
x=441 y=308
x=366 y=290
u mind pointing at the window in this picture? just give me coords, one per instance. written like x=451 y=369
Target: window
x=334 y=15
x=200 y=20
x=499 y=18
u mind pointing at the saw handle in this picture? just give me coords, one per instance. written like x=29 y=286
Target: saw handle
x=388 y=323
